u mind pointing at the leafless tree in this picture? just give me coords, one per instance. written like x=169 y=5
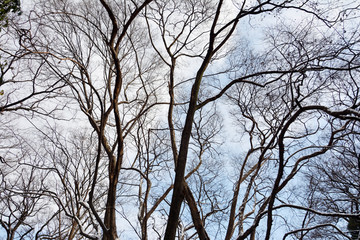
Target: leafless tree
x=333 y=186
x=25 y=209
x=163 y=90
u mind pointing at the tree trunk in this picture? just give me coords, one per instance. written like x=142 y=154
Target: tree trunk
x=110 y=213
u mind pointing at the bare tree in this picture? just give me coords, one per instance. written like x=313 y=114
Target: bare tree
x=276 y=98
x=162 y=89
x=25 y=209
x=333 y=186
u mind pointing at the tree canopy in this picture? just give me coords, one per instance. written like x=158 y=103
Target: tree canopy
x=194 y=119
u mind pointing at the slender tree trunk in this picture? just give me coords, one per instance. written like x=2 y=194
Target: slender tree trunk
x=73 y=231
x=110 y=213
x=198 y=222
x=178 y=192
